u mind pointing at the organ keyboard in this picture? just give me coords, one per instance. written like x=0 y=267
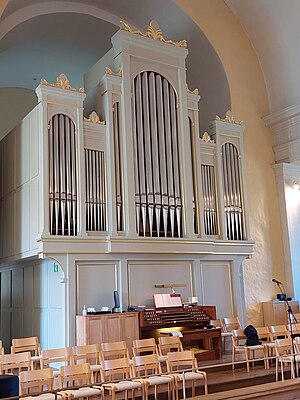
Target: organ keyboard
x=191 y=316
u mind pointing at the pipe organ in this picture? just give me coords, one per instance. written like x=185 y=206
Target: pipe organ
x=136 y=170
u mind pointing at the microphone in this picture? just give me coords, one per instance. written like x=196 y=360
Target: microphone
x=276 y=281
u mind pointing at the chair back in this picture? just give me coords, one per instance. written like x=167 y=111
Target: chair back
x=144 y=346
x=238 y=337
x=177 y=361
x=61 y=355
x=114 y=350
x=112 y=370
x=146 y=365
x=26 y=344
x=263 y=333
x=283 y=346
x=294 y=327
x=75 y=375
x=9 y=363
x=167 y=344
x=278 y=332
x=231 y=323
x=36 y=381
x=86 y=354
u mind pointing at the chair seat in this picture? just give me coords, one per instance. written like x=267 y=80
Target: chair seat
x=162 y=359
x=188 y=376
x=256 y=347
x=124 y=385
x=158 y=380
x=82 y=392
x=36 y=358
x=45 y=396
x=226 y=334
x=95 y=368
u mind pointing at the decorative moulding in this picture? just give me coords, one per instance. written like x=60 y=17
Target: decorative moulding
x=109 y=71
x=229 y=118
x=153 y=32
x=94 y=118
x=61 y=82
x=283 y=115
x=195 y=91
x=206 y=138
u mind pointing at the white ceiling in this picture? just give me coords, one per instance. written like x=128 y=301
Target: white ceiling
x=273 y=27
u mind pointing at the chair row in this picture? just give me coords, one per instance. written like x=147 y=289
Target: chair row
x=272 y=339
x=88 y=353
x=118 y=375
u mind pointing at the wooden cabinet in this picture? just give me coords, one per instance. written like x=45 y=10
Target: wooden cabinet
x=275 y=312
x=105 y=328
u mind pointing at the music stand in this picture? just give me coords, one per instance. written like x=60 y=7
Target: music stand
x=290 y=315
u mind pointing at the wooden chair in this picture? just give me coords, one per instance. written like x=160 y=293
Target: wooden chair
x=177 y=362
x=146 y=346
x=78 y=375
x=149 y=365
x=166 y=344
x=87 y=354
x=114 y=350
x=1 y=348
x=37 y=381
x=10 y=363
x=284 y=355
x=217 y=323
x=52 y=356
x=238 y=346
x=264 y=337
x=30 y=344
x=278 y=332
x=115 y=370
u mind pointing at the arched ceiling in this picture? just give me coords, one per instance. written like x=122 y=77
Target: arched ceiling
x=273 y=27
x=40 y=39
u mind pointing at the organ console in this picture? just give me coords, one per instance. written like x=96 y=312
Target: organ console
x=191 y=321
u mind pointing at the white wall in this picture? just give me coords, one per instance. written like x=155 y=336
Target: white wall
x=33 y=303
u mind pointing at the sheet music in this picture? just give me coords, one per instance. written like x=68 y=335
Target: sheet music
x=167 y=300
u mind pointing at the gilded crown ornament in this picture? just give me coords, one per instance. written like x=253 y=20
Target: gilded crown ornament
x=94 y=118
x=62 y=82
x=229 y=118
x=153 y=32
x=206 y=138
x=109 y=71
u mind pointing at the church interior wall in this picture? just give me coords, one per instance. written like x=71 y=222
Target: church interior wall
x=250 y=103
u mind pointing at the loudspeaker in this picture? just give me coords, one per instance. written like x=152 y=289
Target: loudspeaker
x=9 y=386
x=117 y=302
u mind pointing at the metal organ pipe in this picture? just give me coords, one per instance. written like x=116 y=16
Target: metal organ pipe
x=62 y=175
x=118 y=169
x=157 y=173
x=209 y=200
x=96 y=189
x=232 y=192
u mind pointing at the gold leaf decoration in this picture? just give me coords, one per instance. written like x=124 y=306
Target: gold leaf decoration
x=229 y=118
x=153 y=32
x=94 y=118
x=62 y=82
x=109 y=71
x=206 y=138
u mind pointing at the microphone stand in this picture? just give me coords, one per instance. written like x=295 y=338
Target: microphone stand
x=290 y=315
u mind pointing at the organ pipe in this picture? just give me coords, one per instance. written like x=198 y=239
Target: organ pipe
x=62 y=176
x=95 y=190
x=233 y=207
x=157 y=172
